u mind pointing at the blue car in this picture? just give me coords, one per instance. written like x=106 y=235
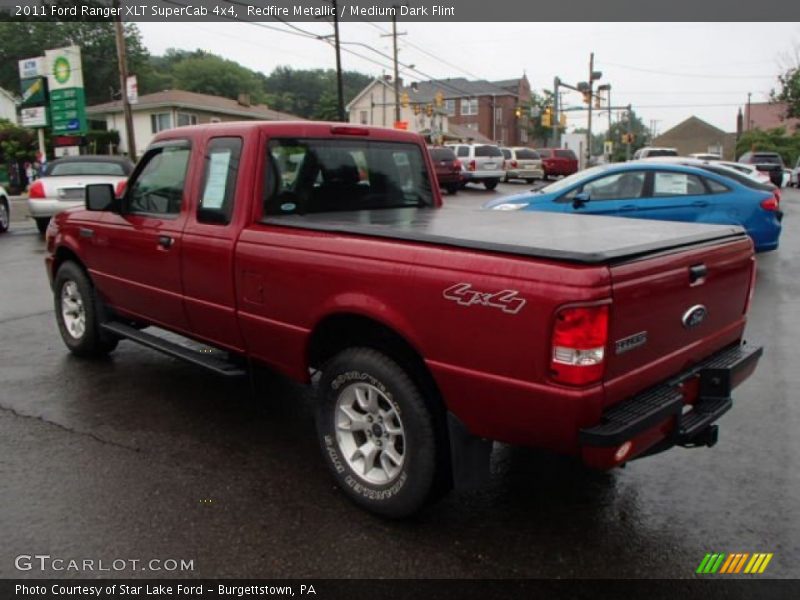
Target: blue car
x=667 y=192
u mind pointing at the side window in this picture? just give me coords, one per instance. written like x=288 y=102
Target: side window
x=463 y=151
x=158 y=187
x=677 y=184
x=219 y=180
x=629 y=184
x=715 y=187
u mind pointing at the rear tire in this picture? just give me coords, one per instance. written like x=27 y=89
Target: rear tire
x=453 y=188
x=376 y=432
x=490 y=184
x=79 y=313
x=5 y=215
x=530 y=180
x=42 y=223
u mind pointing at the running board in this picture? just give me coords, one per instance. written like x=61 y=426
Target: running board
x=201 y=359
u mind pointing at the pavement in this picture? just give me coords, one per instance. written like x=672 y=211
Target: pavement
x=142 y=457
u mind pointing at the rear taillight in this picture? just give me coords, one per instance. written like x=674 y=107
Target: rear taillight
x=578 y=347
x=770 y=204
x=471 y=166
x=36 y=191
x=119 y=191
x=513 y=164
x=751 y=291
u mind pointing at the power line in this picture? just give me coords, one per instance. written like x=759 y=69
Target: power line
x=673 y=74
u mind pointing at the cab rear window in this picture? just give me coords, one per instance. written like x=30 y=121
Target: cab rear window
x=316 y=175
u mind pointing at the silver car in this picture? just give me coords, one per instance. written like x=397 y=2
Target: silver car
x=480 y=163
x=62 y=181
x=522 y=163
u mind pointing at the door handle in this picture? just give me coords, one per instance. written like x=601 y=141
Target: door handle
x=701 y=203
x=165 y=241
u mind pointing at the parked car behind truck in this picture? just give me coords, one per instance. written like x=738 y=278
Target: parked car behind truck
x=480 y=163
x=434 y=330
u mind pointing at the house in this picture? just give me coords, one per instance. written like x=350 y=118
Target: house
x=8 y=106
x=768 y=115
x=177 y=108
x=470 y=110
x=695 y=135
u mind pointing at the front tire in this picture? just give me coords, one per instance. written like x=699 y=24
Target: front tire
x=78 y=313
x=42 y=223
x=376 y=432
x=5 y=215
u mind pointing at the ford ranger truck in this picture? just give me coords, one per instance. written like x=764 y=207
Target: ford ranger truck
x=323 y=252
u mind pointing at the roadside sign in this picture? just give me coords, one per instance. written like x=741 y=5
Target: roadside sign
x=34 y=91
x=32 y=67
x=608 y=147
x=132 y=89
x=64 y=68
x=34 y=116
x=67 y=98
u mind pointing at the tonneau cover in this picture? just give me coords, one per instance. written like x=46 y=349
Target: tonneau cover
x=574 y=238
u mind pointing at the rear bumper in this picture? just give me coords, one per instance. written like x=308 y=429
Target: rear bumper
x=481 y=175
x=47 y=207
x=656 y=419
x=531 y=173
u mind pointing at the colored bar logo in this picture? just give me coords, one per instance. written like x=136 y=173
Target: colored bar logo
x=734 y=563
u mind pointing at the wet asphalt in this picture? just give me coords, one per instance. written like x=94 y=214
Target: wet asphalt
x=143 y=457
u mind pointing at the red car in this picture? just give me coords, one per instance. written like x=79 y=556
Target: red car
x=558 y=161
x=322 y=251
x=447 y=168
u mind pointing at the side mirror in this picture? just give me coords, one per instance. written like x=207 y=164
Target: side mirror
x=580 y=199
x=100 y=197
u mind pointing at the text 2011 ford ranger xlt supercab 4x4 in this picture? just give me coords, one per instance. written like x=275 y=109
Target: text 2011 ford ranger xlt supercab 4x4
x=323 y=247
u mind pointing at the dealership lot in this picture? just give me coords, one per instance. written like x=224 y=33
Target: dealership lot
x=141 y=457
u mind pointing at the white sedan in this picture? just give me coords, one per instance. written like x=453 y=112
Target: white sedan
x=62 y=182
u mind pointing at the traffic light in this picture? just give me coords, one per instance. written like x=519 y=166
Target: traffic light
x=404 y=99
x=518 y=112
x=439 y=99
x=547 y=117
x=597 y=102
x=562 y=119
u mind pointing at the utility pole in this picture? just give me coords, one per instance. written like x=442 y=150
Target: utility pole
x=556 y=113
x=749 y=121
x=122 y=61
x=589 y=124
x=630 y=132
x=394 y=35
x=339 y=88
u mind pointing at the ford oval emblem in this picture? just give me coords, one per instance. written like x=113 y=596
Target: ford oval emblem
x=694 y=316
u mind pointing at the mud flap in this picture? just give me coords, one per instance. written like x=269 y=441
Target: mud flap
x=469 y=456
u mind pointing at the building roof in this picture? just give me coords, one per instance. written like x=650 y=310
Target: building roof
x=460 y=87
x=769 y=115
x=689 y=124
x=195 y=101
x=9 y=95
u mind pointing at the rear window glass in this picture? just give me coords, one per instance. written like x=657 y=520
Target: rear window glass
x=86 y=168
x=311 y=176
x=738 y=177
x=566 y=154
x=772 y=159
x=662 y=152
x=487 y=151
x=506 y=152
x=527 y=154
x=442 y=154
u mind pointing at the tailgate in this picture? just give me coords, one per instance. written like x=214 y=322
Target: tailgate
x=671 y=311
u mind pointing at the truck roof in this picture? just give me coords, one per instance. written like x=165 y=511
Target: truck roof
x=575 y=238
x=309 y=129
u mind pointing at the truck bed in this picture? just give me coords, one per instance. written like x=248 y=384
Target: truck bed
x=573 y=238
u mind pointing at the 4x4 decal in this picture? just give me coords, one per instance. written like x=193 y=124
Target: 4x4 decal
x=508 y=301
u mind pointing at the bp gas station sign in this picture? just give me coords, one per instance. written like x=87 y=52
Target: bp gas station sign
x=67 y=98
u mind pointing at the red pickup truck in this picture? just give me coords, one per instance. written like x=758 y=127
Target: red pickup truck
x=323 y=252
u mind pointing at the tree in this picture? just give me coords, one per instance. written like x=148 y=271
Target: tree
x=217 y=76
x=17 y=143
x=28 y=38
x=537 y=133
x=790 y=84
x=640 y=132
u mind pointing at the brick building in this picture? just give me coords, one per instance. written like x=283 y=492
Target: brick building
x=768 y=115
x=695 y=135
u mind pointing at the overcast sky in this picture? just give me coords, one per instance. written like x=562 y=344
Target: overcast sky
x=668 y=71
